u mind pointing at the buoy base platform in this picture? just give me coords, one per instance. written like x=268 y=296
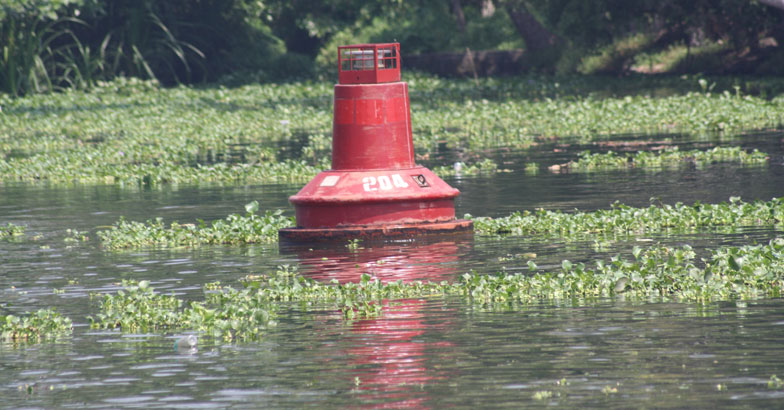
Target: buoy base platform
x=372 y=232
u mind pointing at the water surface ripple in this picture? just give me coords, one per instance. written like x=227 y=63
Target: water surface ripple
x=422 y=352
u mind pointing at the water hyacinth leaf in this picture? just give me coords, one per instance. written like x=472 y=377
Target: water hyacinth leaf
x=234 y=229
x=733 y=263
x=620 y=285
x=659 y=272
x=252 y=207
x=44 y=324
x=196 y=143
x=626 y=220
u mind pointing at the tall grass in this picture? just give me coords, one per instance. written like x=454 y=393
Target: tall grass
x=29 y=48
x=45 y=47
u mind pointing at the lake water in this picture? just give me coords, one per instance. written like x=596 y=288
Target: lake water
x=421 y=353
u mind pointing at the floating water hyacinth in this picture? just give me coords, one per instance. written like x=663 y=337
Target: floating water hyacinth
x=670 y=157
x=225 y=313
x=618 y=220
x=182 y=135
x=486 y=166
x=624 y=220
x=656 y=273
x=11 y=231
x=44 y=324
x=234 y=229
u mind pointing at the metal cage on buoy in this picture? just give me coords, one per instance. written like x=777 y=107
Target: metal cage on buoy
x=374 y=188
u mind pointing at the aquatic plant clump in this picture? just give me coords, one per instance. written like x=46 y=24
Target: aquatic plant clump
x=362 y=299
x=486 y=166
x=65 y=171
x=668 y=158
x=132 y=135
x=137 y=308
x=618 y=220
x=225 y=314
x=623 y=219
x=242 y=314
x=141 y=136
x=44 y=324
x=234 y=229
x=655 y=273
x=11 y=231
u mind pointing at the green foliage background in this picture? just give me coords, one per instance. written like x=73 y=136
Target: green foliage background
x=53 y=44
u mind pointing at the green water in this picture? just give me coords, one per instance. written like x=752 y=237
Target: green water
x=422 y=353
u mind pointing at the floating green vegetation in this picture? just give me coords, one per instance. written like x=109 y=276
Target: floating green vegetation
x=79 y=171
x=623 y=219
x=531 y=168
x=656 y=273
x=671 y=157
x=75 y=236
x=234 y=229
x=356 y=300
x=135 y=133
x=486 y=166
x=774 y=382
x=476 y=123
x=45 y=324
x=618 y=220
x=11 y=231
x=225 y=313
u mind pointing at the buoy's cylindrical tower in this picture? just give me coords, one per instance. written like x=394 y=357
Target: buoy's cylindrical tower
x=374 y=188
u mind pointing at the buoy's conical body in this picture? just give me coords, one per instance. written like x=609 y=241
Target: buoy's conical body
x=374 y=188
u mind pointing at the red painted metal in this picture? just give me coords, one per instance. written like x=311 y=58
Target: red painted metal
x=371 y=127
x=369 y=63
x=374 y=188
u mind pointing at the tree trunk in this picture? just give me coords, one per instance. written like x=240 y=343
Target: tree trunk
x=457 y=8
x=537 y=38
x=543 y=48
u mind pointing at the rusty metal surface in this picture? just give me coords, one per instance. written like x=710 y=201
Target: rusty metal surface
x=459 y=226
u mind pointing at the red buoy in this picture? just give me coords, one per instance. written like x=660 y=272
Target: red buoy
x=374 y=188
